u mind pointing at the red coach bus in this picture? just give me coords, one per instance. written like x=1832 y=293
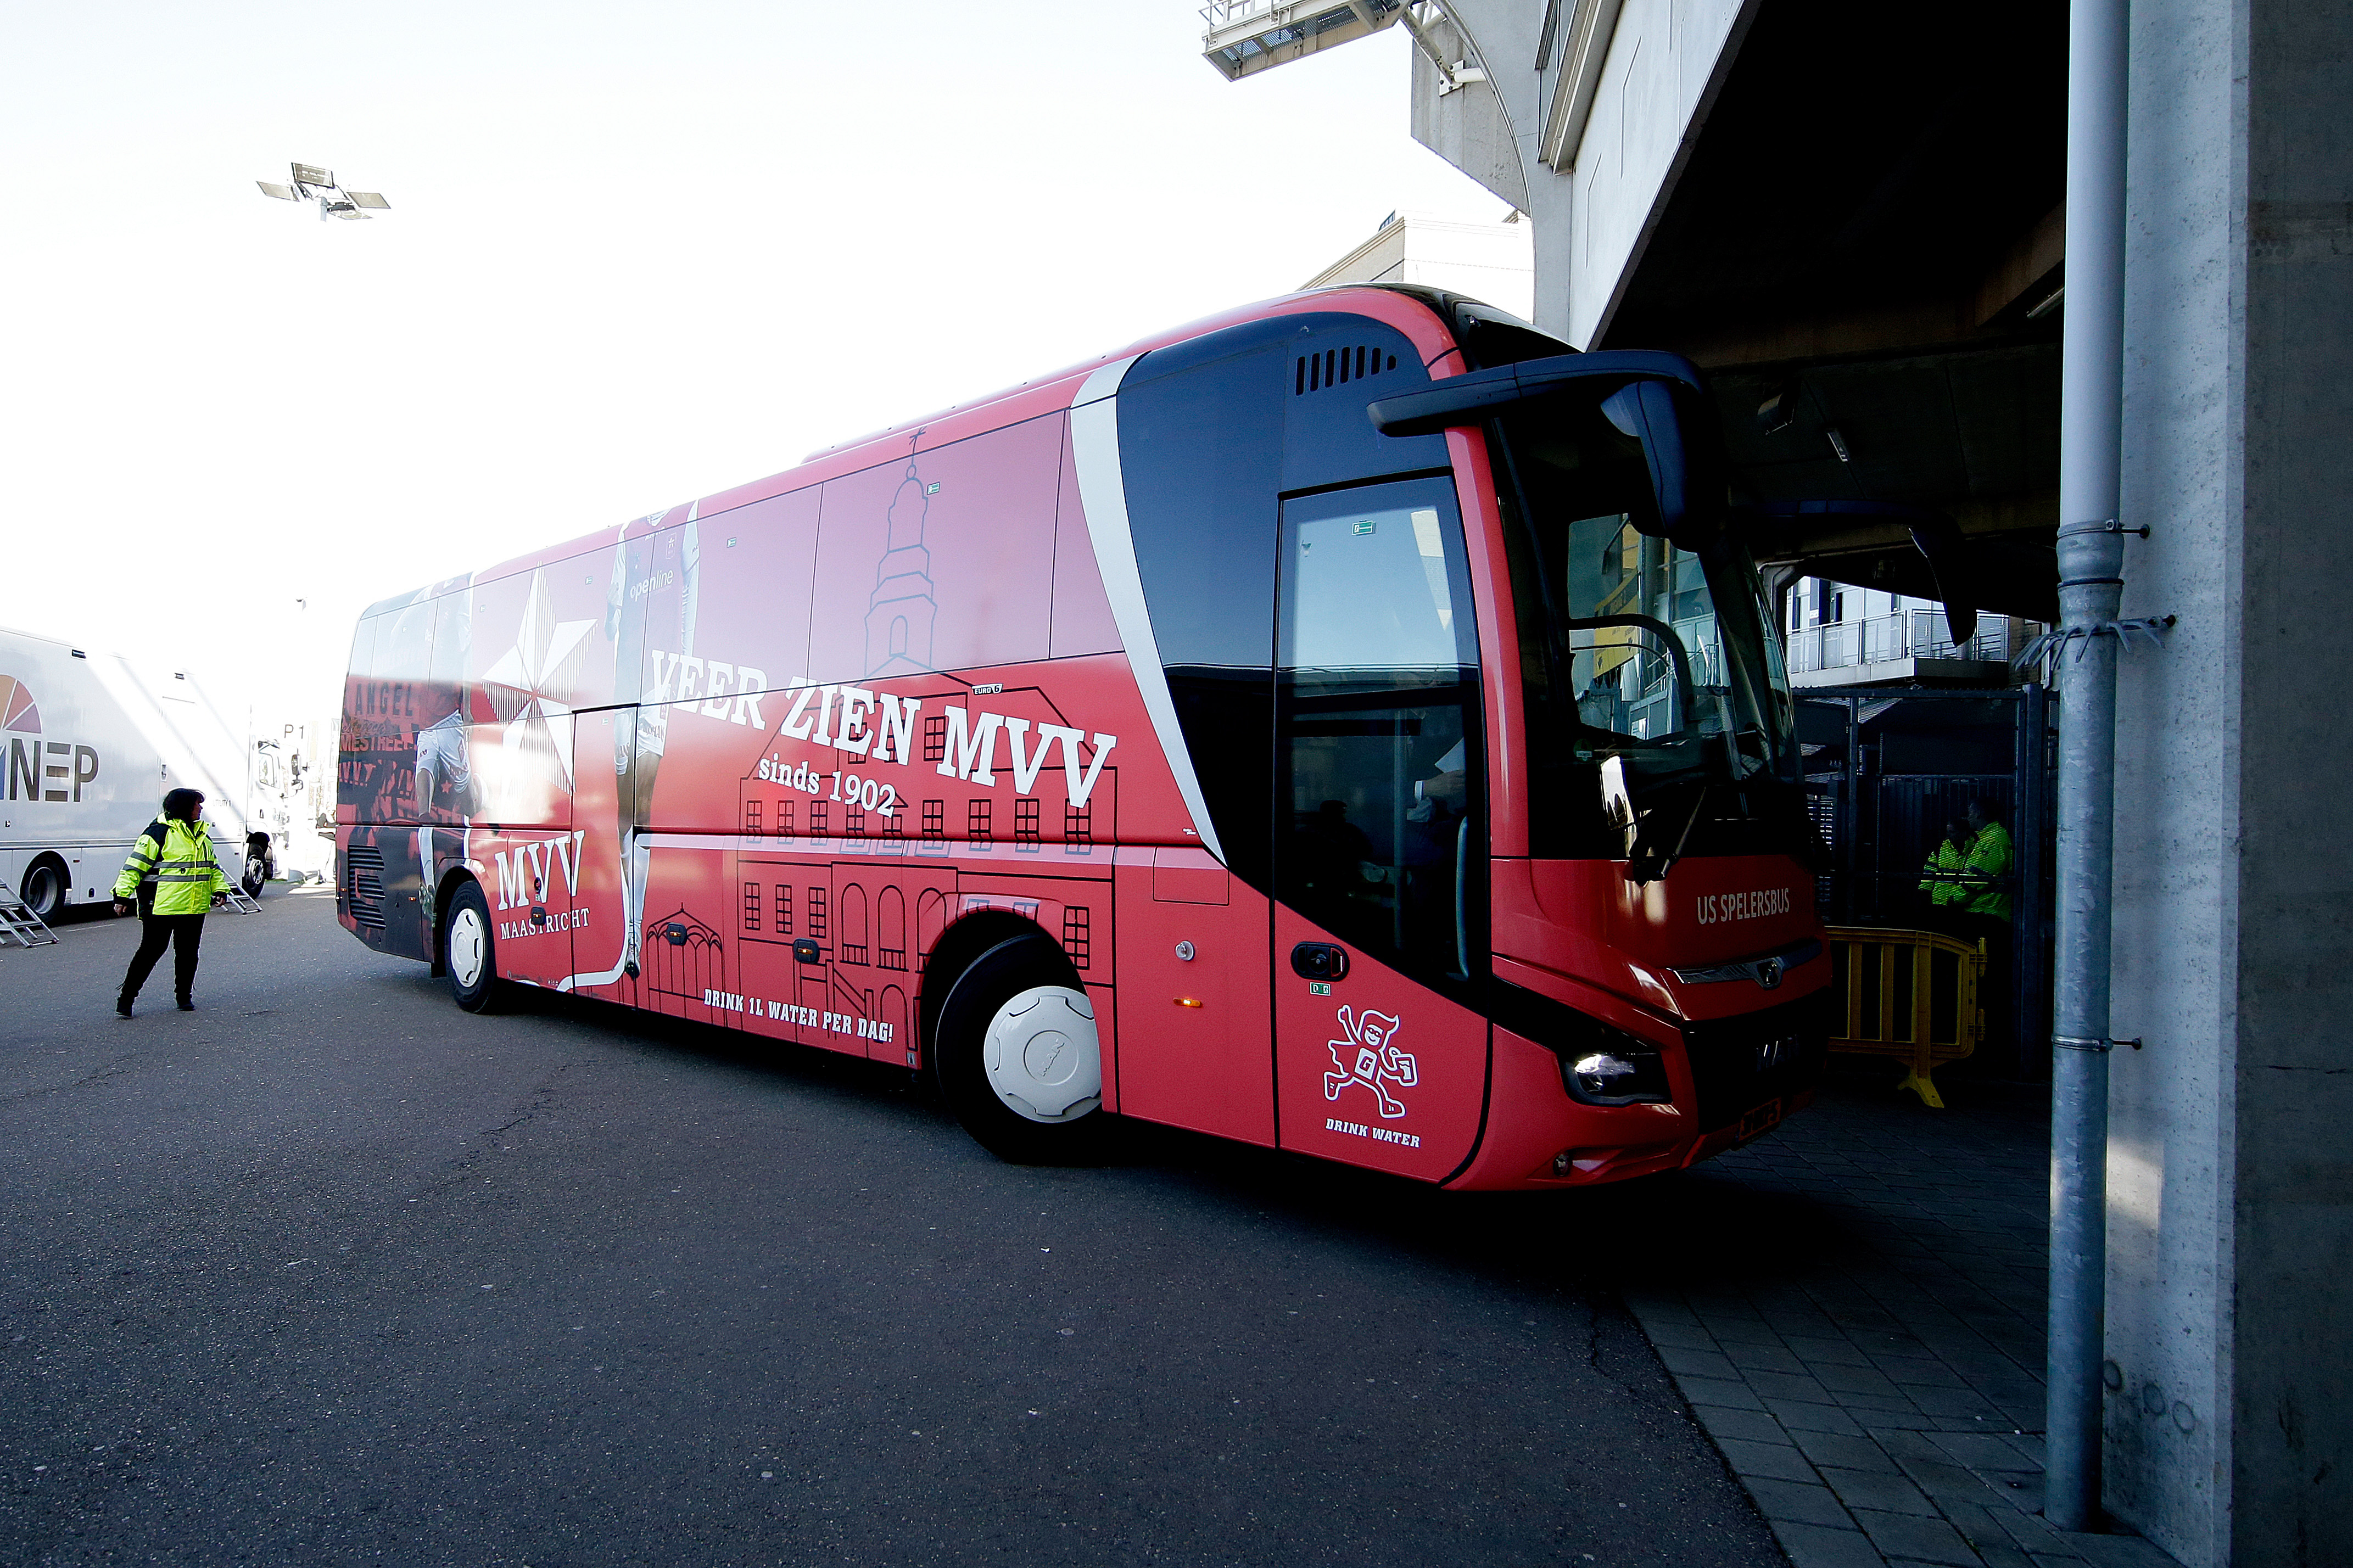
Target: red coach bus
x=1352 y=725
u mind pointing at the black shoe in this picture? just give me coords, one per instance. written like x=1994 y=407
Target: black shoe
x=122 y=1006
x=187 y=1005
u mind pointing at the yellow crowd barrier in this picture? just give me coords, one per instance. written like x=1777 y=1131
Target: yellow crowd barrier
x=1910 y=995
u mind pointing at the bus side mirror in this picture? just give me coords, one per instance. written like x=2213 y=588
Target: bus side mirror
x=1655 y=394
x=1645 y=410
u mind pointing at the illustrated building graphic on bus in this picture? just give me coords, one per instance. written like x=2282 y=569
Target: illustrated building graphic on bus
x=901 y=611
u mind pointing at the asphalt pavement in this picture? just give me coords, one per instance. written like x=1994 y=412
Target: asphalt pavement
x=328 y=1271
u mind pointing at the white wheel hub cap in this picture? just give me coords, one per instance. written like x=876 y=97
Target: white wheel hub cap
x=469 y=945
x=1042 y=1056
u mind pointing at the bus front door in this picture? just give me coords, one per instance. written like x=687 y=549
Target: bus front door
x=1380 y=849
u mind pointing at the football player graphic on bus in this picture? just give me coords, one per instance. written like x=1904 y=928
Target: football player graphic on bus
x=446 y=790
x=1369 y=1055
x=447 y=793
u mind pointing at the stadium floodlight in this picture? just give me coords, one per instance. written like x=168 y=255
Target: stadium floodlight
x=314 y=183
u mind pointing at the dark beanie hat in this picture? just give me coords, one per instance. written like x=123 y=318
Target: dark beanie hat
x=183 y=804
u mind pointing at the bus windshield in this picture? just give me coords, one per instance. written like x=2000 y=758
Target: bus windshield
x=1655 y=652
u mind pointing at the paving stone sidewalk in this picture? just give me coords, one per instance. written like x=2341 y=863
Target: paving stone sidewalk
x=1860 y=1328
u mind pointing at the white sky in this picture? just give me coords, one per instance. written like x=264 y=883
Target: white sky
x=636 y=253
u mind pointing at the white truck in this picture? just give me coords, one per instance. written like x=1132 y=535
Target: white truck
x=89 y=744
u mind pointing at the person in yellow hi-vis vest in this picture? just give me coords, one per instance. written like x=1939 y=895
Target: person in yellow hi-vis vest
x=1985 y=878
x=1940 y=879
x=1985 y=870
x=174 y=877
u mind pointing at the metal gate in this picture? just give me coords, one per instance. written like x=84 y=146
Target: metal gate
x=1885 y=770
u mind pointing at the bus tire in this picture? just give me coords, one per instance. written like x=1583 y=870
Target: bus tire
x=1018 y=1057
x=470 y=949
x=45 y=888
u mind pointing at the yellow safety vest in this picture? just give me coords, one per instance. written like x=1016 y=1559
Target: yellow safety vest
x=186 y=871
x=1987 y=863
x=1940 y=877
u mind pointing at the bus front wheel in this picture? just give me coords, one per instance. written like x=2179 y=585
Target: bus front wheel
x=1018 y=1058
x=469 y=951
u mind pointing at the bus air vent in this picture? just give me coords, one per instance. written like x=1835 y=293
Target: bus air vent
x=1337 y=367
x=365 y=894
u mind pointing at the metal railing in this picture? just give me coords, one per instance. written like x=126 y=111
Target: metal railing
x=1906 y=634
x=1219 y=15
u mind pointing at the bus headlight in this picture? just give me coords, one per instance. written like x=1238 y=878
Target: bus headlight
x=1599 y=1073
x=1611 y=1066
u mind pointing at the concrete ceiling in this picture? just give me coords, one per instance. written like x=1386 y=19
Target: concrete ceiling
x=1868 y=214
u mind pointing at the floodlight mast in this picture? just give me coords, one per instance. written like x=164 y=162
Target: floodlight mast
x=314 y=183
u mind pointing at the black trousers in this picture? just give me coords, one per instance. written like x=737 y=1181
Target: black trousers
x=1995 y=997
x=181 y=933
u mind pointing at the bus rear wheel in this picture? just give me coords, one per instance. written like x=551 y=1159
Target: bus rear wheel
x=45 y=887
x=469 y=951
x=1018 y=1058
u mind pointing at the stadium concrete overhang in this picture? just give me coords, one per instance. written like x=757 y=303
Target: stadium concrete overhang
x=1849 y=213
x=1861 y=243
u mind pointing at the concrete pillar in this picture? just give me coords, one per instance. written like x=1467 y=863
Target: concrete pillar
x=2229 y=1426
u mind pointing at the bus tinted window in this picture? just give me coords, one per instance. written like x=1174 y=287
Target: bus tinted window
x=745 y=605
x=452 y=638
x=1378 y=725
x=943 y=560
x=363 y=647
x=1374 y=589
x=1201 y=449
x=404 y=644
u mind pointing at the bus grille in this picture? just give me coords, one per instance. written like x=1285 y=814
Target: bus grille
x=1738 y=1064
x=364 y=887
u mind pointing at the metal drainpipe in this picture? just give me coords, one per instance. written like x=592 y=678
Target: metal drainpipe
x=2091 y=588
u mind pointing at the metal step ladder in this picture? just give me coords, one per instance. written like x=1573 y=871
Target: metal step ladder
x=21 y=921
x=240 y=900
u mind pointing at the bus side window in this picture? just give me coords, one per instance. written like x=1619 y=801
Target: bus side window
x=353 y=741
x=452 y=642
x=363 y=647
x=943 y=559
x=396 y=692
x=404 y=647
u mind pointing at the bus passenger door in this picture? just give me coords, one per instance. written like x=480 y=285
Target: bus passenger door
x=1380 y=842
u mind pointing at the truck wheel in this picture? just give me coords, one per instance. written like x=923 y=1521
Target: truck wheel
x=1018 y=1058
x=44 y=888
x=469 y=951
